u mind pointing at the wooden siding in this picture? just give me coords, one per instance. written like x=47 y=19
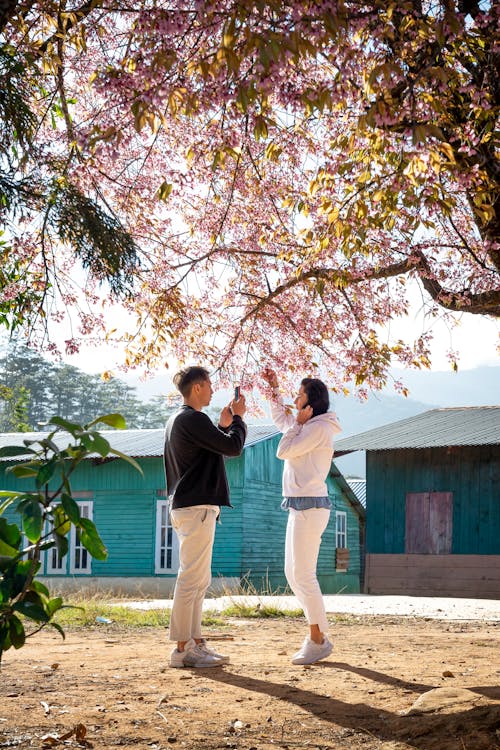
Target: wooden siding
x=124 y=513
x=471 y=474
x=226 y=557
x=249 y=541
x=475 y=576
x=264 y=522
x=333 y=582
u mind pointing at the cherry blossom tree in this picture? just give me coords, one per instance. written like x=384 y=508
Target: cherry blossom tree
x=261 y=182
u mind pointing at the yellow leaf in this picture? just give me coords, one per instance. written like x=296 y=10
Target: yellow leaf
x=164 y=190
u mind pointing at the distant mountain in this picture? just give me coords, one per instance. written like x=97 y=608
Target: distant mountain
x=477 y=387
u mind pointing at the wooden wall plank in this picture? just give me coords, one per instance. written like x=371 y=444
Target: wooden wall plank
x=475 y=576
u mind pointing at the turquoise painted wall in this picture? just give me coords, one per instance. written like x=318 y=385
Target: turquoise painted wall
x=226 y=558
x=472 y=474
x=248 y=542
x=263 y=519
x=331 y=581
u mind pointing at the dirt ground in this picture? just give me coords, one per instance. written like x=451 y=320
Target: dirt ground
x=107 y=687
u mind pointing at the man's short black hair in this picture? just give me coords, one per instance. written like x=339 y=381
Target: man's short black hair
x=317 y=395
x=186 y=378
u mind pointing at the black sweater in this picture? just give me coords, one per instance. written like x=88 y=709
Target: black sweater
x=193 y=457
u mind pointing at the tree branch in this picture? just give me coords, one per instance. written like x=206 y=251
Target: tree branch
x=480 y=303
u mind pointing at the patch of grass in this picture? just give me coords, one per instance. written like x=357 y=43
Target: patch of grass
x=248 y=587
x=341 y=619
x=83 y=613
x=212 y=619
x=260 y=609
x=240 y=609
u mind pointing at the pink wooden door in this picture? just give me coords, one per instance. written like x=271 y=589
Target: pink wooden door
x=429 y=517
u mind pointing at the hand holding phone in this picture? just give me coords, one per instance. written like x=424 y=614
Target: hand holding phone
x=238 y=405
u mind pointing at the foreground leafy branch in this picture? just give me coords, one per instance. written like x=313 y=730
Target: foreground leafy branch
x=48 y=511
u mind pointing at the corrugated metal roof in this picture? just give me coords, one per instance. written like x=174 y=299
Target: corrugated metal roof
x=347 y=490
x=471 y=425
x=135 y=443
x=358 y=486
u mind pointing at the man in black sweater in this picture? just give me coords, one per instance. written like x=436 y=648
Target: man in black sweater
x=197 y=488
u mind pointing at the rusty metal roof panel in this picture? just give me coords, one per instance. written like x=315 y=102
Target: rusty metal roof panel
x=471 y=425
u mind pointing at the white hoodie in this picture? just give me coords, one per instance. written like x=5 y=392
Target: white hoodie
x=307 y=450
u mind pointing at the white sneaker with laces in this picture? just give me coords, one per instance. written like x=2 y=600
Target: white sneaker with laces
x=194 y=655
x=207 y=649
x=312 y=652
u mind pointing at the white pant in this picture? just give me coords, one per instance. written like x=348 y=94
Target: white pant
x=303 y=538
x=195 y=529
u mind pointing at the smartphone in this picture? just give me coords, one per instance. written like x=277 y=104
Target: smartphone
x=236 y=393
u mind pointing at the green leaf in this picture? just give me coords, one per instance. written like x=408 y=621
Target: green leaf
x=128 y=459
x=61 y=544
x=70 y=427
x=46 y=472
x=22 y=471
x=15 y=450
x=33 y=611
x=6 y=551
x=5 y=643
x=22 y=572
x=91 y=540
x=16 y=632
x=59 y=629
x=11 y=496
x=112 y=420
x=61 y=522
x=40 y=588
x=32 y=520
x=98 y=443
x=10 y=533
x=53 y=605
x=70 y=508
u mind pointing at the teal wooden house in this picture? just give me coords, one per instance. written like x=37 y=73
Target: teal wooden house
x=433 y=503
x=131 y=514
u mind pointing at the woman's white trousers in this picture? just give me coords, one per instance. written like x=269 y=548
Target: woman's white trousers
x=303 y=538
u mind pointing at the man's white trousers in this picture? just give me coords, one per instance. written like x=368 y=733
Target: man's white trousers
x=195 y=529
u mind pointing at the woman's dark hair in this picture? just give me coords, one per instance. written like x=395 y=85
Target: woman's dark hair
x=317 y=395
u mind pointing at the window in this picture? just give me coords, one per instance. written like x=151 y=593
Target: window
x=341 y=551
x=78 y=561
x=166 y=548
x=341 y=529
x=55 y=565
x=25 y=543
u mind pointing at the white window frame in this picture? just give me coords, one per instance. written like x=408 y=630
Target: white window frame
x=166 y=543
x=341 y=529
x=51 y=555
x=76 y=549
x=25 y=542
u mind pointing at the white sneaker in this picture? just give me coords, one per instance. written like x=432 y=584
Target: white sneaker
x=311 y=652
x=194 y=655
x=203 y=646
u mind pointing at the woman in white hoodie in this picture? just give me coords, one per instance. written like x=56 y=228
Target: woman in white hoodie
x=307 y=450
